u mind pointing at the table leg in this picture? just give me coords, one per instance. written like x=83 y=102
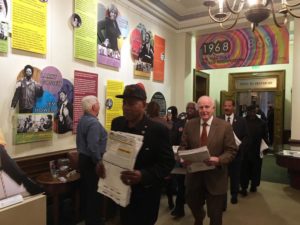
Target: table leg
x=56 y=210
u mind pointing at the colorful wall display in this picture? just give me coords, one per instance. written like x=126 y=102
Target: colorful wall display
x=113 y=105
x=29 y=31
x=242 y=47
x=142 y=51
x=112 y=29
x=84 y=84
x=159 y=98
x=56 y=96
x=159 y=58
x=85 y=30
x=33 y=127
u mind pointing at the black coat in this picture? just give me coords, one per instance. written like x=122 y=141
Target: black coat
x=156 y=158
x=240 y=129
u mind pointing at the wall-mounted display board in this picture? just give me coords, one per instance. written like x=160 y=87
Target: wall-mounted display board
x=33 y=127
x=85 y=34
x=112 y=29
x=159 y=59
x=113 y=105
x=29 y=27
x=242 y=47
x=142 y=50
x=160 y=99
x=84 y=84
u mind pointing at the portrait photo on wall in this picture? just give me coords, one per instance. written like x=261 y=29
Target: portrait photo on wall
x=76 y=20
x=112 y=29
x=142 y=50
x=33 y=127
x=64 y=117
x=28 y=89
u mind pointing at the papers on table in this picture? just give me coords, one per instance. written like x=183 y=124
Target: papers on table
x=291 y=153
x=196 y=157
x=121 y=152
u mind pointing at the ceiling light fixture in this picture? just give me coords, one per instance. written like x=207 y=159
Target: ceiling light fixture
x=255 y=11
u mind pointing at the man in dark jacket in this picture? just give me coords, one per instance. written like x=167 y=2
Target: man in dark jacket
x=252 y=162
x=154 y=161
x=240 y=130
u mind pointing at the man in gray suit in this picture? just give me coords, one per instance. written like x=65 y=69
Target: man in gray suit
x=210 y=185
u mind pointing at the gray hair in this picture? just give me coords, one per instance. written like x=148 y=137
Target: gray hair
x=206 y=98
x=87 y=102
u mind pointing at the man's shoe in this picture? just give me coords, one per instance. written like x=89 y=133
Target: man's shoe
x=253 y=189
x=234 y=200
x=244 y=192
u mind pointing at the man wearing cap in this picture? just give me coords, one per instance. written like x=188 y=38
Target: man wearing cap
x=209 y=186
x=154 y=161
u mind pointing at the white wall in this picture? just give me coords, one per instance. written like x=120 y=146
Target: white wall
x=60 y=55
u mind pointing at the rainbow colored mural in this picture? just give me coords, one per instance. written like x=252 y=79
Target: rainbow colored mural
x=242 y=47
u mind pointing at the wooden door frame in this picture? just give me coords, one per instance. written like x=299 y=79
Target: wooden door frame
x=199 y=73
x=279 y=92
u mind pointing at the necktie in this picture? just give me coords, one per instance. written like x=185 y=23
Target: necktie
x=228 y=119
x=203 y=138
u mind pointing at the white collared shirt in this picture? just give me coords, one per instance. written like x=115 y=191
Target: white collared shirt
x=231 y=118
x=209 y=121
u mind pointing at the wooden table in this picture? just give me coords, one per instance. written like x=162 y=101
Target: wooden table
x=292 y=164
x=54 y=188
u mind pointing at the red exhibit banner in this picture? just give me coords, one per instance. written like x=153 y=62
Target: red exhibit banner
x=242 y=47
x=159 y=58
x=84 y=84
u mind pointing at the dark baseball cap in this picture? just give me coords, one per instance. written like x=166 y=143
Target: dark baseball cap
x=134 y=91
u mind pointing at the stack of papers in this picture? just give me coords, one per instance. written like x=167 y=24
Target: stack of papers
x=121 y=152
x=196 y=157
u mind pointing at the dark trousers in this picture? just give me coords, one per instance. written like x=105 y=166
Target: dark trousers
x=180 y=198
x=197 y=195
x=143 y=208
x=234 y=172
x=251 y=171
x=91 y=200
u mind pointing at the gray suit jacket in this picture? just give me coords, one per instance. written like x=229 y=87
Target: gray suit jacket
x=221 y=143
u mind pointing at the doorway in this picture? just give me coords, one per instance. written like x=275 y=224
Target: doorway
x=200 y=84
x=264 y=89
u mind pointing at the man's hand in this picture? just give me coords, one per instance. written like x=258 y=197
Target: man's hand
x=131 y=177
x=212 y=161
x=100 y=170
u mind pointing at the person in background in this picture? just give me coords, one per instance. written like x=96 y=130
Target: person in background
x=170 y=181
x=259 y=113
x=27 y=91
x=190 y=113
x=11 y=173
x=208 y=186
x=91 y=143
x=153 y=113
x=270 y=121
x=154 y=161
x=240 y=130
x=252 y=162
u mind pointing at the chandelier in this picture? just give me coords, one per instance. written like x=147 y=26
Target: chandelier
x=255 y=11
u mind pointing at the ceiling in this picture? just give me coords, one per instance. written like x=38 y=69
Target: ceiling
x=186 y=15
